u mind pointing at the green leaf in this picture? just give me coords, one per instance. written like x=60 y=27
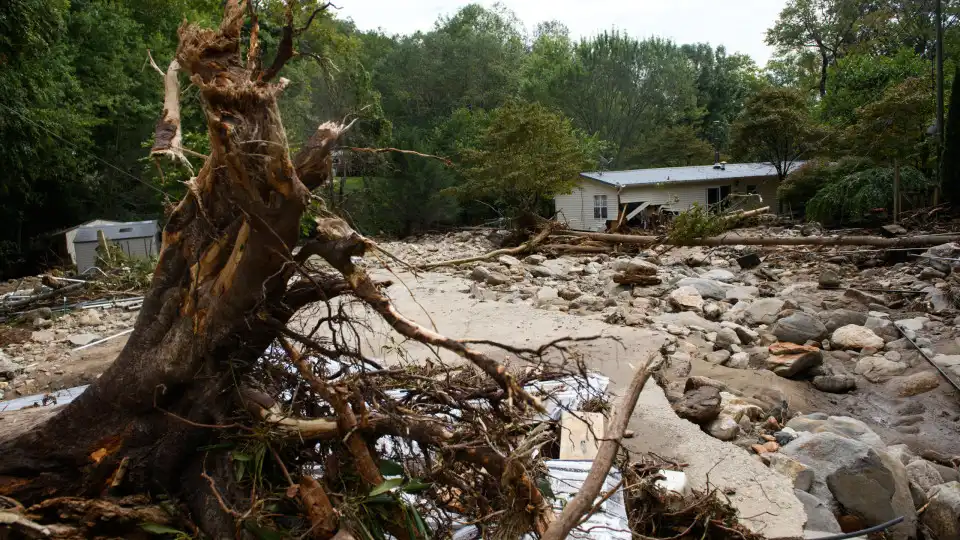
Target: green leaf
x=421 y=526
x=241 y=468
x=415 y=485
x=390 y=468
x=156 y=528
x=240 y=456
x=386 y=486
x=545 y=489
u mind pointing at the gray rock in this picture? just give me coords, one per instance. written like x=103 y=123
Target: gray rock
x=740 y=360
x=844 y=426
x=931 y=273
x=687 y=319
x=546 y=296
x=834 y=384
x=700 y=405
x=943 y=251
x=42 y=336
x=853 y=336
x=790 y=360
x=8 y=368
x=727 y=337
x=942 y=516
x=915 y=324
x=829 y=279
x=903 y=453
x=82 y=339
x=800 y=474
x=877 y=369
x=719 y=274
x=718 y=357
x=918 y=383
x=819 y=517
x=763 y=311
x=508 y=260
x=863 y=298
x=864 y=481
x=921 y=472
x=707 y=288
x=570 y=292
x=724 y=427
x=496 y=278
x=799 y=327
x=542 y=271
x=636 y=266
x=479 y=273
x=90 y=317
x=842 y=317
x=534 y=259
x=687 y=298
x=742 y=293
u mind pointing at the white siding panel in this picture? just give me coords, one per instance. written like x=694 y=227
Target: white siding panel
x=576 y=209
x=680 y=197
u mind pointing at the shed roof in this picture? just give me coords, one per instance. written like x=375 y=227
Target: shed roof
x=672 y=175
x=118 y=231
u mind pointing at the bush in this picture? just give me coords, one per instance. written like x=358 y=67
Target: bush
x=804 y=183
x=853 y=196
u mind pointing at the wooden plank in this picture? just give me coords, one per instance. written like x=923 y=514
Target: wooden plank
x=579 y=434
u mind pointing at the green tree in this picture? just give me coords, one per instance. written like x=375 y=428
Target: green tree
x=893 y=128
x=526 y=156
x=859 y=79
x=827 y=27
x=619 y=88
x=776 y=127
x=675 y=146
x=950 y=164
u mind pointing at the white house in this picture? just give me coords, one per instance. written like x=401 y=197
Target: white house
x=642 y=193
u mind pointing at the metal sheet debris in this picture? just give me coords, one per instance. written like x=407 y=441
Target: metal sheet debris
x=60 y=397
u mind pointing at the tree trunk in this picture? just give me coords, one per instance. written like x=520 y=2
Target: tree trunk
x=733 y=239
x=824 y=64
x=896 y=190
x=223 y=266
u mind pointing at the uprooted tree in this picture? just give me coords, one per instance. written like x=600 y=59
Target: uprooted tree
x=193 y=412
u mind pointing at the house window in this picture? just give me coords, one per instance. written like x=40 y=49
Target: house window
x=717 y=195
x=599 y=207
x=752 y=188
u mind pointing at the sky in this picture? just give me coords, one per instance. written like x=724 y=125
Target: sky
x=740 y=25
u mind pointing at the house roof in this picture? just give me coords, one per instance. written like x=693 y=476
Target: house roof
x=118 y=231
x=672 y=175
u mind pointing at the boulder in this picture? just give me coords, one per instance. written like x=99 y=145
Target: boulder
x=718 y=357
x=636 y=266
x=922 y=473
x=480 y=273
x=91 y=317
x=508 y=260
x=82 y=339
x=727 y=337
x=740 y=360
x=863 y=298
x=8 y=368
x=763 y=311
x=496 y=278
x=687 y=298
x=842 y=317
x=687 y=319
x=915 y=324
x=789 y=360
x=942 y=516
x=864 y=481
x=878 y=369
x=799 y=327
x=570 y=292
x=840 y=425
x=42 y=336
x=719 y=274
x=546 y=296
x=534 y=259
x=707 y=288
x=798 y=473
x=903 y=453
x=918 y=383
x=829 y=279
x=943 y=251
x=542 y=271
x=740 y=293
x=853 y=336
x=834 y=384
x=820 y=520
x=699 y=405
x=723 y=427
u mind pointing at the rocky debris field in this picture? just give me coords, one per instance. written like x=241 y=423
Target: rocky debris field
x=41 y=354
x=850 y=326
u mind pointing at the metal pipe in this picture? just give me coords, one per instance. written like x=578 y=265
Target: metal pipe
x=869 y=530
x=99 y=341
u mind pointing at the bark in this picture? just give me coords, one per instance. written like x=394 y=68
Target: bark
x=168 y=136
x=223 y=269
x=737 y=240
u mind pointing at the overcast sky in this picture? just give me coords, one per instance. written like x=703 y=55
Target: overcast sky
x=737 y=24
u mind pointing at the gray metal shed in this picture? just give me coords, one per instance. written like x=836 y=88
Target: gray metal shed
x=137 y=239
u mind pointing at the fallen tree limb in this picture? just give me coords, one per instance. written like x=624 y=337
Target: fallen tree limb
x=737 y=240
x=524 y=247
x=574 y=510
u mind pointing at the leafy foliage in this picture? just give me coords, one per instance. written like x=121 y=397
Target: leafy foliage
x=697 y=222
x=950 y=165
x=670 y=147
x=859 y=79
x=812 y=176
x=852 y=197
x=526 y=156
x=894 y=126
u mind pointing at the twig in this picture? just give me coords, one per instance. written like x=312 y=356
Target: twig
x=399 y=151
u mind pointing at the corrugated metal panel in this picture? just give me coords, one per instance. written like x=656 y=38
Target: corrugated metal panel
x=119 y=231
x=137 y=239
x=86 y=255
x=668 y=175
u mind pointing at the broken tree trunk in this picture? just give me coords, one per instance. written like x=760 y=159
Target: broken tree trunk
x=737 y=240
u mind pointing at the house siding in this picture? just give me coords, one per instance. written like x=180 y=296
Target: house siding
x=576 y=209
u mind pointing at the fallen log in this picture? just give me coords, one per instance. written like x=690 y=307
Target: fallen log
x=573 y=248
x=526 y=246
x=737 y=240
